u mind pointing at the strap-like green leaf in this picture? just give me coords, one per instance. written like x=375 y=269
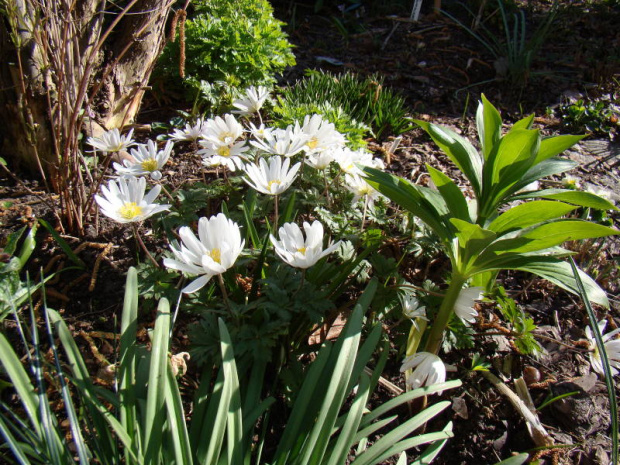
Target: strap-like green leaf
x=489 y=124
x=555 y=145
x=583 y=199
x=413 y=198
x=528 y=214
x=451 y=193
x=462 y=153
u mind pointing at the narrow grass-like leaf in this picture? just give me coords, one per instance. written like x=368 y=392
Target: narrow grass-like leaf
x=338 y=455
x=300 y=416
x=157 y=380
x=176 y=421
x=248 y=207
x=76 y=431
x=410 y=443
x=431 y=452
x=288 y=213
x=21 y=382
x=12 y=240
x=15 y=446
x=28 y=246
x=345 y=351
x=611 y=390
x=408 y=397
x=234 y=423
x=386 y=442
x=127 y=360
x=515 y=460
x=66 y=248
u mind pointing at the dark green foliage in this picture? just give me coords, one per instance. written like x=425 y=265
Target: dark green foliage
x=596 y=118
x=228 y=44
x=521 y=324
x=364 y=100
x=289 y=306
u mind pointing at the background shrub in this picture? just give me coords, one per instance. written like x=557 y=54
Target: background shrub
x=228 y=44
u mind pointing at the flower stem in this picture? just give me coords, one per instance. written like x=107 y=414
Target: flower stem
x=445 y=311
x=146 y=251
x=327 y=197
x=276 y=199
x=225 y=294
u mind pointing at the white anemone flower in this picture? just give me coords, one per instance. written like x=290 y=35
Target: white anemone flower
x=361 y=189
x=285 y=142
x=428 y=369
x=321 y=134
x=252 y=101
x=612 y=348
x=124 y=201
x=411 y=307
x=321 y=160
x=147 y=160
x=222 y=131
x=348 y=160
x=214 y=251
x=271 y=177
x=191 y=132
x=112 y=141
x=260 y=132
x=297 y=251
x=232 y=156
x=464 y=305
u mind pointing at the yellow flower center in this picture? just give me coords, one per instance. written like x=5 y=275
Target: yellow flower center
x=226 y=135
x=223 y=151
x=215 y=255
x=149 y=165
x=130 y=210
x=271 y=183
x=302 y=251
x=312 y=143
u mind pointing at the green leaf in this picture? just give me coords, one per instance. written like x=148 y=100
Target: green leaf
x=583 y=199
x=28 y=246
x=413 y=198
x=550 y=234
x=431 y=452
x=472 y=240
x=525 y=123
x=176 y=421
x=543 y=169
x=555 y=145
x=66 y=248
x=459 y=150
x=157 y=382
x=234 y=423
x=451 y=193
x=489 y=124
x=528 y=214
x=515 y=460
x=512 y=159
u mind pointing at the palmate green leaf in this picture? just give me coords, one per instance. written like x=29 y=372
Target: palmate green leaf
x=451 y=193
x=555 y=145
x=489 y=124
x=548 y=235
x=462 y=153
x=413 y=198
x=528 y=214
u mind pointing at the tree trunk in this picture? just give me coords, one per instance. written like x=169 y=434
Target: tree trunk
x=64 y=60
x=73 y=68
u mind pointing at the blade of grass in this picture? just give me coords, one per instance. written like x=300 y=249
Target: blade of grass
x=15 y=447
x=176 y=421
x=613 y=402
x=431 y=452
x=66 y=248
x=157 y=381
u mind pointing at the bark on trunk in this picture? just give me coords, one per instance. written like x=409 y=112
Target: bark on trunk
x=62 y=60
